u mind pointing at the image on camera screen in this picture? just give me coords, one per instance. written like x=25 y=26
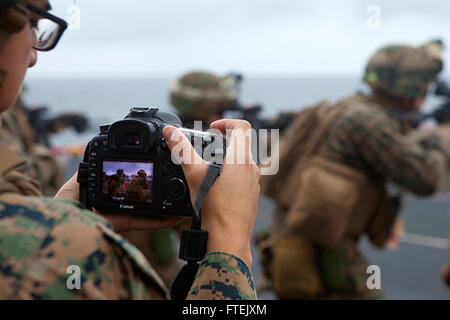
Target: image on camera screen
x=128 y=181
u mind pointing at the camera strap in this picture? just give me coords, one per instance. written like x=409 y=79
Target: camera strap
x=194 y=240
x=82 y=179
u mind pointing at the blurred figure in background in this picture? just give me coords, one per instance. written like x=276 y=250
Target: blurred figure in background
x=111 y=267
x=196 y=96
x=204 y=96
x=343 y=169
x=26 y=131
x=18 y=135
x=446 y=271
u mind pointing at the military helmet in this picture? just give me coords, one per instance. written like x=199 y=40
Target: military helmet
x=404 y=71
x=196 y=95
x=141 y=173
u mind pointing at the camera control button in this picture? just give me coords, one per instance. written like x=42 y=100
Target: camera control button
x=105 y=142
x=176 y=189
x=93 y=174
x=93 y=154
x=164 y=144
x=93 y=195
x=93 y=164
x=95 y=144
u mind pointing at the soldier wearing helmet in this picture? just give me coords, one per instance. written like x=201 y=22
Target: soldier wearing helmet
x=204 y=96
x=136 y=188
x=196 y=96
x=114 y=183
x=62 y=234
x=347 y=179
x=403 y=73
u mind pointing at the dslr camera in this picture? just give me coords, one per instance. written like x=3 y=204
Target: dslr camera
x=128 y=167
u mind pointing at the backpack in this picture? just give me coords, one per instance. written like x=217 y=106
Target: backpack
x=301 y=140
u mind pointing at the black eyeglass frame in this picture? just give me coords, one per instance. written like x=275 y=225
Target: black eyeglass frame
x=62 y=24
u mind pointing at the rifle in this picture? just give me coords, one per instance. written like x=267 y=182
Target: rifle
x=442 y=113
x=252 y=112
x=43 y=126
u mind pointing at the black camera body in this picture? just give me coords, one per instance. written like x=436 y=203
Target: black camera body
x=128 y=168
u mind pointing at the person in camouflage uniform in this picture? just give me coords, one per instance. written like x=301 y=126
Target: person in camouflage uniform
x=137 y=187
x=196 y=96
x=17 y=133
x=203 y=96
x=369 y=139
x=115 y=182
x=40 y=238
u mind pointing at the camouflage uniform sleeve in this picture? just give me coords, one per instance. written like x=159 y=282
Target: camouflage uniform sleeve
x=421 y=168
x=222 y=276
x=41 y=237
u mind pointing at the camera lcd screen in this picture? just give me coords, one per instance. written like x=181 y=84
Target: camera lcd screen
x=128 y=181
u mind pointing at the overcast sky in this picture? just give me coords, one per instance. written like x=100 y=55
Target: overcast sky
x=257 y=37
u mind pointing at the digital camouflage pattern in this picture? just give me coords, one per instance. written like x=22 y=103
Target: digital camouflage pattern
x=404 y=71
x=196 y=95
x=370 y=136
x=18 y=136
x=223 y=276
x=41 y=237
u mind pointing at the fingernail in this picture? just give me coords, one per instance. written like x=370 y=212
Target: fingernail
x=168 y=132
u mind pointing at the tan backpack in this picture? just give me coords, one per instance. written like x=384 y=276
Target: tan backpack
x=325 y=200
x=300 y=140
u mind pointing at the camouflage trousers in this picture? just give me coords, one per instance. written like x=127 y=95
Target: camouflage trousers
x=351 y=284
x=320 y=273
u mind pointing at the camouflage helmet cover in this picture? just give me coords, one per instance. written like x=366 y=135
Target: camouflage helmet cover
x=199 y=94
x=405 y=71
x=141 y=173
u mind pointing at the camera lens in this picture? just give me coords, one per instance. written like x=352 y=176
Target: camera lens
x=175 y=189
x=133 y=138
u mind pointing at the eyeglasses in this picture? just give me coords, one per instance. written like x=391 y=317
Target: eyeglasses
x=49 y=29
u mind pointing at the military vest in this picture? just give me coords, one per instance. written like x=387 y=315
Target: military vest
x=325 y=201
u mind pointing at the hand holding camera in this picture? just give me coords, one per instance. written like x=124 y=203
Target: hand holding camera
x=128 y=172
x=230 y=208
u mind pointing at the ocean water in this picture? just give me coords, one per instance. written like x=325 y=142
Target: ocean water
x=107 y=100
